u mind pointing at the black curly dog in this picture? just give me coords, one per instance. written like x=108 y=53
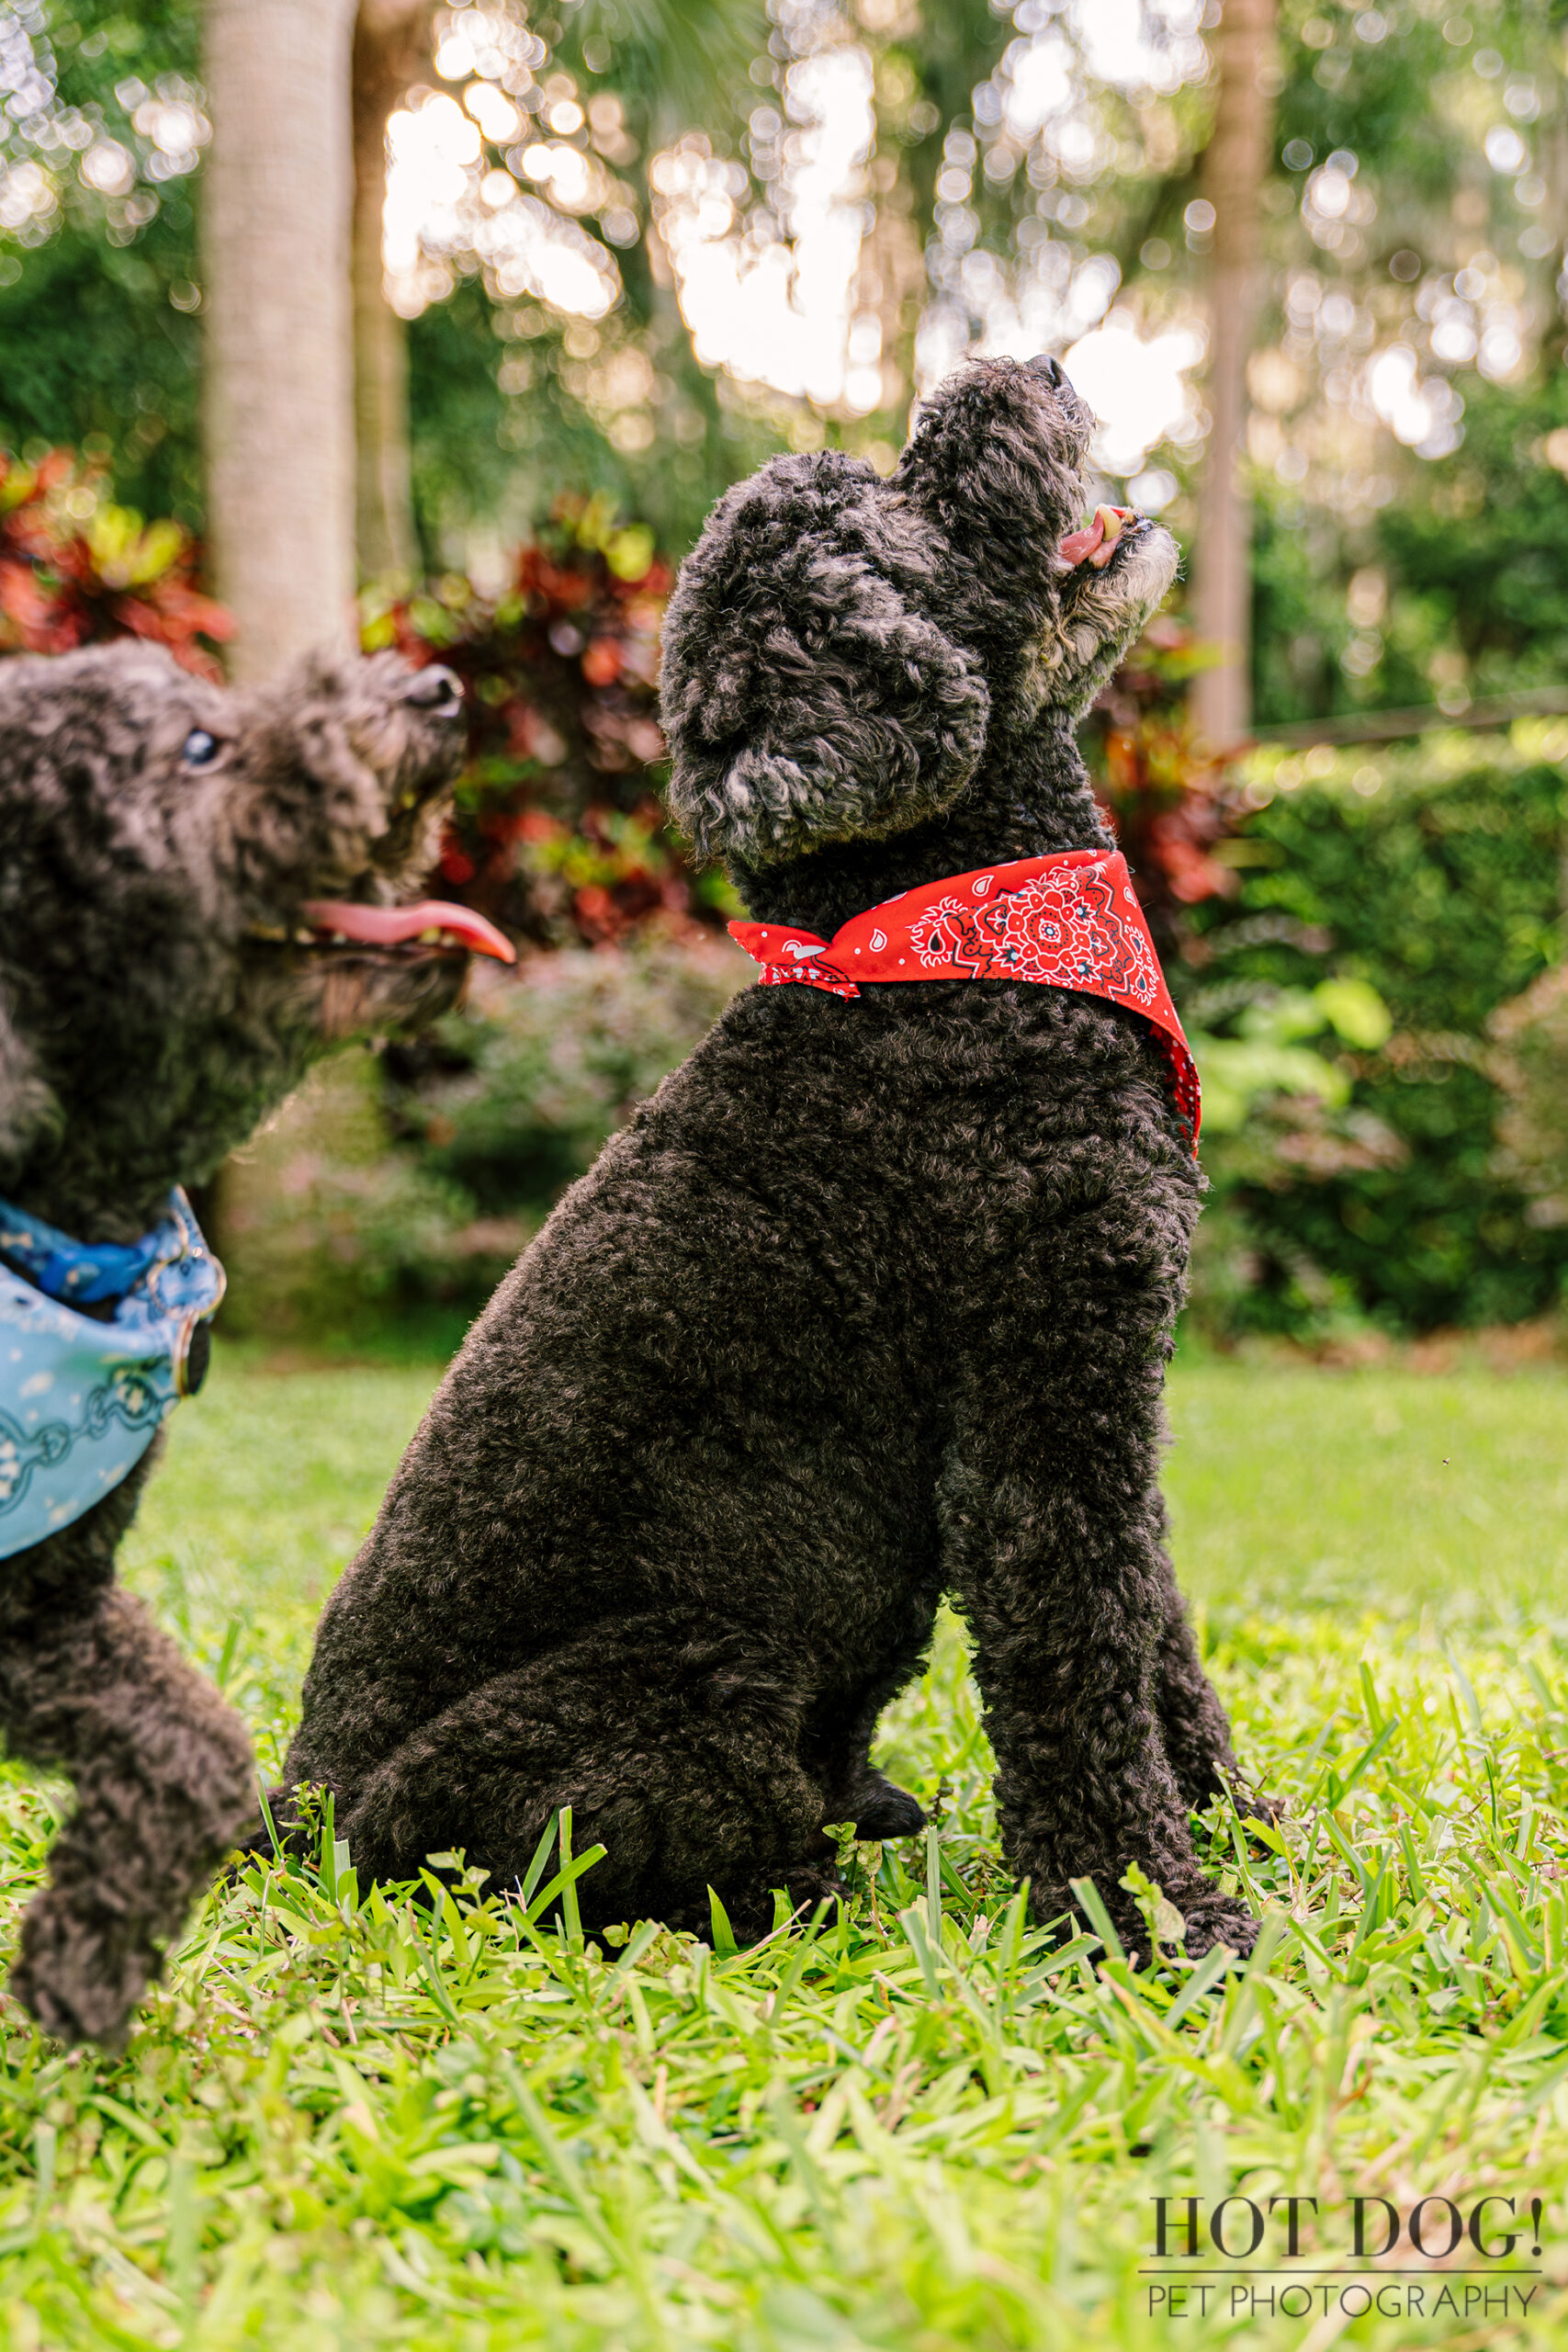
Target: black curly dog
x=158 y=837
x=871 y=1303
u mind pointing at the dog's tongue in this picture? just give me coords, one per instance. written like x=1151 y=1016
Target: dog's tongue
x=389 y=926
x=1101 y=534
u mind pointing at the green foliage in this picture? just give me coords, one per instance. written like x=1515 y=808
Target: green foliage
x=497 y=427
x=99 y=290
x=1459 y=551
x=325 y=1229
x=458 y=462
x=1266 y=1057
x=1431 y=878
x=1531 y=1066
x=507 y=397
x=668 y=57
x=514 y=1098
x=1375 y=97
x=1483 y=536
x=1469 y=563
x=97 y=358
x=1172 y=805
x=351 y=2119
x=413 y=1180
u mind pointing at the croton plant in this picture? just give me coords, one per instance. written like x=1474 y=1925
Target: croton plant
x=75 y=568
x=559 y=831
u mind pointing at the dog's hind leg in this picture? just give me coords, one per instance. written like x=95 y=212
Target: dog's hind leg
x=164 y=1783
x=683 y=1766
x=836 y=1744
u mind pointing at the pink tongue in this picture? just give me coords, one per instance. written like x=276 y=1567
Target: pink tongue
x=388 y=926
x=1078 y=544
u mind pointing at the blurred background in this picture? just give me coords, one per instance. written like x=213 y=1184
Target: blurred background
x=468 y=314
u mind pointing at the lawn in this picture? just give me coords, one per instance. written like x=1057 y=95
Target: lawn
x=349 y=2119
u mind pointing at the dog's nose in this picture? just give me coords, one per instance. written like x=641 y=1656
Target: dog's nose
x=435 y=690
x=1050 y=368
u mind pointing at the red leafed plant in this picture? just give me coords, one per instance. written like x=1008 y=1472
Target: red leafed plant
x=558 y=832
x=1171 y=805
x=76 y=569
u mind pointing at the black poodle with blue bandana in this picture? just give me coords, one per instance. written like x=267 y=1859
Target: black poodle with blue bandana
x=871 y=1303
x=199 y=893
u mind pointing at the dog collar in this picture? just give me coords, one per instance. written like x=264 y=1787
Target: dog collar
x=1071 y=920
x=81 y=1399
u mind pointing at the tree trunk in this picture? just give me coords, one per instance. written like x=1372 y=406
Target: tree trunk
x=278 y=390
x=391 y=49
x=1235 y=165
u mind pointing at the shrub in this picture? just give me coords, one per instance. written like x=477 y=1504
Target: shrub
x=514 y=1098
x=1531 y=1067
x=1430 y=876
x=416 y=1177
x=1379 y=1137
x=324 y=1230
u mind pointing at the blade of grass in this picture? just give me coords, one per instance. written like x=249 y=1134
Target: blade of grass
x=1091 y=1903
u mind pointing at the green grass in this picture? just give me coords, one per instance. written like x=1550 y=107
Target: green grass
x=347 y=2119
x=1289 y=1487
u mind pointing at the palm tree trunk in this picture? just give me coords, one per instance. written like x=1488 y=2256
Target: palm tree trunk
x=278 y=390
x=391 y=47
x=1236 y=164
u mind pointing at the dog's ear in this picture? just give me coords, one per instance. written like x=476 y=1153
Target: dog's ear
x=27 y=1107
x=806 y=695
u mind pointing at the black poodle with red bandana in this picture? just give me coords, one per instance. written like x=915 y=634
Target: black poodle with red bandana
x=871 y=1303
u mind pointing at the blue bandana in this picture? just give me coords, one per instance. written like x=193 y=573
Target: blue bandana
x=81 y=1400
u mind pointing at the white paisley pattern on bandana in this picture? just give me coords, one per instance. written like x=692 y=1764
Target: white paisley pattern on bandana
x=1068 y=921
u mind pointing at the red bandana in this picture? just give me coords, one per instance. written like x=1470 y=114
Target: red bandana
x=1068 y=921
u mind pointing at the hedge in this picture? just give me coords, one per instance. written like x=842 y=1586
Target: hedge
x=1435 y=875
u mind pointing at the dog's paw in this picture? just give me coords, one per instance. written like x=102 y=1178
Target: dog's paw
x=79 y=1973
x=889 y=1812
x=807 y=1889
x=1216 y=1918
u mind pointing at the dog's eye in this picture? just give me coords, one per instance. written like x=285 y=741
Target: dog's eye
x=200 y=749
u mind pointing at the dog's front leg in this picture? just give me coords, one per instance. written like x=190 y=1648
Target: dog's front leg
x=164 y=1784
x=1053 y=1534
x=1066 y=1601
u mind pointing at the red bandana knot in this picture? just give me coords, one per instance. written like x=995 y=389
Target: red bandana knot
x=1068 y=922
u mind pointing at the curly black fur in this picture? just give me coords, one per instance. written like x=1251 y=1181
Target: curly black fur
x=871 y=1303
x=155 y=1002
